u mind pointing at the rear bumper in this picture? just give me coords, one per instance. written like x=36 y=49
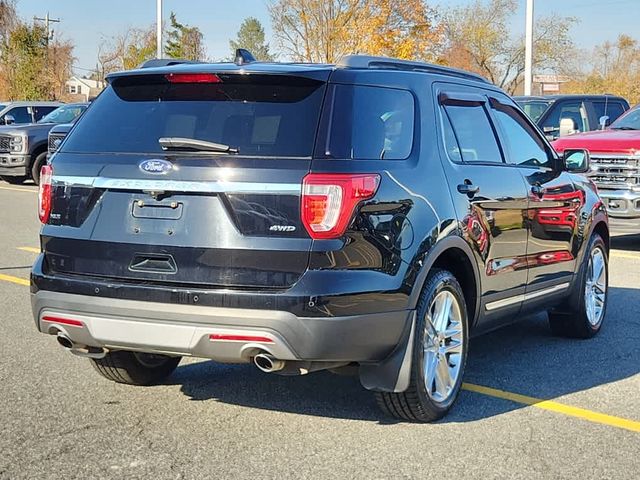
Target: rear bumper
x=621 y=203
x=13 y=165
x=202 y=331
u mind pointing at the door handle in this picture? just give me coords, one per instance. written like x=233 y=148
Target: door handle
x=538 y=190
x=468 y=188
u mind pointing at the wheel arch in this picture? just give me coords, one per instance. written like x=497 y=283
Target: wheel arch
x=455 y=255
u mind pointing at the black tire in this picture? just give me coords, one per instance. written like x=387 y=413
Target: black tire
x=18 y=180
x=135 y=368
x=39 y=161
x=415 y=404
x=571 y=319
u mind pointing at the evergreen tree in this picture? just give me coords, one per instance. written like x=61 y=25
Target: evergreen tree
x=251 y=37
x=184 y=41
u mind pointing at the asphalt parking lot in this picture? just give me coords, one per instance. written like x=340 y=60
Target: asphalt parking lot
x=534 y=406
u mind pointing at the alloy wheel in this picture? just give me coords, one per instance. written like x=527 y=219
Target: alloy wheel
x=443 y=344
x=595 y=293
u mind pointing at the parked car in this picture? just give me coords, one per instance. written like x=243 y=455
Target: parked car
x=615 y=165
x=23 y=148
x=562 y=115
x=56 y=135
x=19 y=113
x=369 y=215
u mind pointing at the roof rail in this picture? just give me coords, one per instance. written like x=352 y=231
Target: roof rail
x=165 y=62
x=367 y=61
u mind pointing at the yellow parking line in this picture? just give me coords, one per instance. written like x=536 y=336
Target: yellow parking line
x=635 y=256
x=12 y=279
x=29 y=249
x=18 y=189
x=556 y=407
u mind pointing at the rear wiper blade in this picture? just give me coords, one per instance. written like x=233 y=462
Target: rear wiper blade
x=193 y=144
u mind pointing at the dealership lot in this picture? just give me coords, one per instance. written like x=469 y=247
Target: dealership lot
x=59 y=419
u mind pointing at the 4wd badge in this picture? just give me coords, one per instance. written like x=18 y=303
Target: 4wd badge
x=156 y=166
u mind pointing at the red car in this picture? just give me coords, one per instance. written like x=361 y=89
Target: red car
x=615 y=165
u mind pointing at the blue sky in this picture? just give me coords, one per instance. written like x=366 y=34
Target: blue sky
x=88 y=22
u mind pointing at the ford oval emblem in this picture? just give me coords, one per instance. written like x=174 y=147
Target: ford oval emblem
x=156 y=166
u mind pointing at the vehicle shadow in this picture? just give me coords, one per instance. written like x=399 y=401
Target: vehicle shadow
x=629 y=242
x=522 y=358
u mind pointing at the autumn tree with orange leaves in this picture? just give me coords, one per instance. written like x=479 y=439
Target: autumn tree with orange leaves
x=324 y=31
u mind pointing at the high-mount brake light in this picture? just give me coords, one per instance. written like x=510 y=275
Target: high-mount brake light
x=44 y=193
x=329 y=200
x=193 y=78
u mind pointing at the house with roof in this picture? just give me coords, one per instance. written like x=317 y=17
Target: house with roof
x=83 y=89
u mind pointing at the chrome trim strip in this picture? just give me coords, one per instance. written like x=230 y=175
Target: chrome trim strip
x=505 y=302
x=177 y=185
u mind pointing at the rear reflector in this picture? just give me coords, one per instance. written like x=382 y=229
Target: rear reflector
x=63 y=321
x=239 y=338
x=329 y=200
x=44 y=193
x=193 y=78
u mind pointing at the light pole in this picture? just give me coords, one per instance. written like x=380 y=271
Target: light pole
x=528 y=49
x=159 y=29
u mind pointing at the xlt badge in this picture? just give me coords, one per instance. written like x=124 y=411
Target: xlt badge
x=156 y=166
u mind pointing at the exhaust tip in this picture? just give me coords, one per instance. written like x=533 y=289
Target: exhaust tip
x=268 y=363
x=64 y=341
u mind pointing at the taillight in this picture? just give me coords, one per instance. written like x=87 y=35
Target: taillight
x=329 y=199
x=193 y=78
x=44 y=193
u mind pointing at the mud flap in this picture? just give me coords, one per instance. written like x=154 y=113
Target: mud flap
x=394 y=373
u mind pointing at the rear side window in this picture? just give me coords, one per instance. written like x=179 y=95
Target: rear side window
x=260 y=115
x=611 y=109
x=474 y=135
x=370 y=123
x=574 y=111
x=40 y=112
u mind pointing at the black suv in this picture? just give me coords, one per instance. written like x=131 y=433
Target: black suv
x=367 y=216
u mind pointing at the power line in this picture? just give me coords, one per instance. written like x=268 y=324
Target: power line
x=47 y=20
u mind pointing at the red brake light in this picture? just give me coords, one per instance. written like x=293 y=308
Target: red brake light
x=329 y=199
x=44 y=193
x=193 y=78
x=63 y=321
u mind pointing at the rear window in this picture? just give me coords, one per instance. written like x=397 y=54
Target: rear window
x=260 y=115
x=369 y=123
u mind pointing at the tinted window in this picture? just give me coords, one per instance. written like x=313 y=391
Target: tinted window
x=534 y=109
x=572 y=110
x=611 y=109
x=260 y=115
x=21 y=114
x=474 y=134
x=40 y=112
x=450 y=142
x=370 y=123
x=525 y=145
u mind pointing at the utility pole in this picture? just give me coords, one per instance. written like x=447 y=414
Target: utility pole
x=47 y=20
x=528 y=49
x=159 y=29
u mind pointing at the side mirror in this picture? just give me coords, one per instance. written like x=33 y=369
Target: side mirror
x=9 y=119
x=576 y=160
x=566 y=127
x=603 y=121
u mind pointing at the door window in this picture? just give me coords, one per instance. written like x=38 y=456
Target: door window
x=525 y=145
x=40 y=112
x=573 y=111
x=21 y=114
x=611 y=109
x=474 y=137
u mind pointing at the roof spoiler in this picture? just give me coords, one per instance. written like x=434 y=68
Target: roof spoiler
x=165 y=62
